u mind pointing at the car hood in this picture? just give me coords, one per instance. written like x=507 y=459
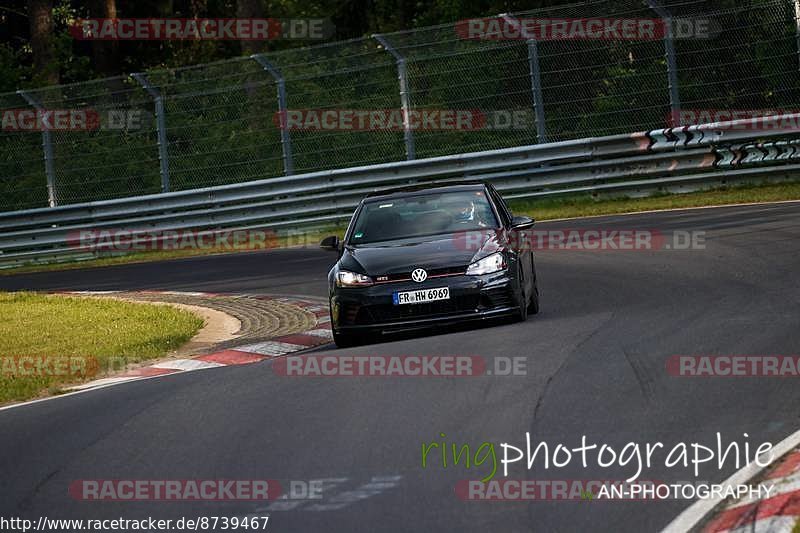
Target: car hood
x=430 y=253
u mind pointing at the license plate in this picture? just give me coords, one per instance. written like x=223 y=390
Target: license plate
x=421 y=296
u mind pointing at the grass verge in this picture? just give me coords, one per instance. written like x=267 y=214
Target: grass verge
x=585 y=205
x=47 y=341
x=544 y=209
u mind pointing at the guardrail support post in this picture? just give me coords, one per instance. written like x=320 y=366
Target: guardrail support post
x=286 y=141
x=672 y=65
x=161 y=127
x=47 y=146
x=405 y=102
x=536 y=78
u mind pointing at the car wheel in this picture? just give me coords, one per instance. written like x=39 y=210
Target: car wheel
x=522 y=313
x=533 y=306
x=343 y=340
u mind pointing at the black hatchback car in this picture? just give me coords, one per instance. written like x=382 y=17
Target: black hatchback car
x=420 y=257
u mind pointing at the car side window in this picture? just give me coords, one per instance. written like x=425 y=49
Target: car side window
x=505 y=213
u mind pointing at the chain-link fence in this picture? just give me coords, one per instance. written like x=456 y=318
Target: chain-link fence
x=265 y=116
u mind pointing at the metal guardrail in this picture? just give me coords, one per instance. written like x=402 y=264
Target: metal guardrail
x=639 y=162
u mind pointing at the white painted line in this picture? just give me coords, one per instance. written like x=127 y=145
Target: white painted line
x=184 y=293
x=773 y=524
x=325 y=333
x=313 y=300
x=700 y=509
x=93 y=292
x=271 y=348
x=186 y=364
x=782 y=486
x=82 y=391
x=102 y=382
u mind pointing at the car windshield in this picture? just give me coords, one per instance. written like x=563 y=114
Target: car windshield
x=422 y=215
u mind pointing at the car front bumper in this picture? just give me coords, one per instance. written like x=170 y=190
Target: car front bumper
x=362 y=309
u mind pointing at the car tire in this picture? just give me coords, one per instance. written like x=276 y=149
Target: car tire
x=533 y=306
x=343 y=340
x=522 y=313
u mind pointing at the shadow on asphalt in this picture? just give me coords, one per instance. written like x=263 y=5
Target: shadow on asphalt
x=428 y=332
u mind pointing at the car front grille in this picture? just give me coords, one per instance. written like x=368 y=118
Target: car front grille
x=373 y=314
x=349 y=313
x=433 y=273
x=495 y=298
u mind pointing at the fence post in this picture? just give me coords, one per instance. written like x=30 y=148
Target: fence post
x=536 y=78
x=161 y=127
x=47 y=146
x=672 y=65
x=405 y=102
x=286 y=141
x=797 y=28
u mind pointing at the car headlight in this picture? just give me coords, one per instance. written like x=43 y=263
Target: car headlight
x=491 y=263
x=345 y=278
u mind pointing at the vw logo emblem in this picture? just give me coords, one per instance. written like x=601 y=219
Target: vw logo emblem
x=419 y=275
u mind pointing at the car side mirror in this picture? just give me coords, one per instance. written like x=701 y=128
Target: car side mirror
x=522 y=222
x=330 y=243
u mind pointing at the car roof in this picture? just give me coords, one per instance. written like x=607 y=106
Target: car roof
x=417 y=189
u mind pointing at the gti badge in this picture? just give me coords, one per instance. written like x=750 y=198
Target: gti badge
x=419 y=275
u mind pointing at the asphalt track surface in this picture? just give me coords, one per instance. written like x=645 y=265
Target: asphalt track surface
x=596 y=367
